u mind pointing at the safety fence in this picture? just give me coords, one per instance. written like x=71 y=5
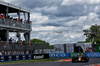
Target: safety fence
x=15 y=23
x=92 y=54
x=7 y=58
x=15 y=46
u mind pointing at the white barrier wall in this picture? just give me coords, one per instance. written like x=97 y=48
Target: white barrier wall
x=41 y=51
x=59 y=48
x=69 y=48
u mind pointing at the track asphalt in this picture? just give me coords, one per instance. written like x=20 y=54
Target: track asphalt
x=61 y=62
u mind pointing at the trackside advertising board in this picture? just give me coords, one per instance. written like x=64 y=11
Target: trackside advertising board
x=75 y=54
x=59 y=54
x=7 y=58
x=95 y=54
x=41 y=56
x=15 y=57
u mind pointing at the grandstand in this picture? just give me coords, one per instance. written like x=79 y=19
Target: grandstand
x=10 y=24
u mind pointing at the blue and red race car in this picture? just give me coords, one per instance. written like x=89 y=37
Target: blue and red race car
x=80 y=58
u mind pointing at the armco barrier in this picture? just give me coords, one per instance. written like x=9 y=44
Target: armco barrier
x=22 y=57
x=59 y=54
x=75 y=54
x=93 y=54
x=15 y=57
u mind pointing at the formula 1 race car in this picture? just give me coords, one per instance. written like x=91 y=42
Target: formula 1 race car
x=80 y=58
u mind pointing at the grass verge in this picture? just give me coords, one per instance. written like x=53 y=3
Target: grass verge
x=29 y=61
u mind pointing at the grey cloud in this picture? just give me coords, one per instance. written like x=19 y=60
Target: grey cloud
x=66 y=19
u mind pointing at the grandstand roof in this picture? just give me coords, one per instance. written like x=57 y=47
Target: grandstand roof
x=12 y=8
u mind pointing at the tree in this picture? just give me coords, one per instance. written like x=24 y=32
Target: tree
x=40 y=44
x=92 y=34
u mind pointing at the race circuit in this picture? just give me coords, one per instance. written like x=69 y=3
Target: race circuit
x=60 y=62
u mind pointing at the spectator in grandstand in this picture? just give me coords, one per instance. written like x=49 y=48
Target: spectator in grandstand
x=10 y=40
x=30 y=42
x=13 y=41
x=17 y=53
x=0 y=39
x=14 y=53
x=25 y=23
x=5 y=52
x=0 y=53
x=9 y=52
x=22 y=52
x=8 y=17
x=27 y=52
x=21 y=42
x=1 y=16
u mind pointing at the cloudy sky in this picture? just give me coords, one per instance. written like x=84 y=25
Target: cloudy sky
x=60 y=21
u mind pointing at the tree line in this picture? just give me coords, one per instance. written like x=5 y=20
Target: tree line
x=92 y=34
x=40 y=44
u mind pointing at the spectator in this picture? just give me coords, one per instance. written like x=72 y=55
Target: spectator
x=21 y=42
x=13 y=41
x=5 y=52
x=10 y=40
x=27 y=52
x=1 y=16
x=9 y=52
x=22 y=52
x=17 y=53
x=30 y=42
x=0 y=53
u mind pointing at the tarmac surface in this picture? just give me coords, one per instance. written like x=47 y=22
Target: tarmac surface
x=92 y=62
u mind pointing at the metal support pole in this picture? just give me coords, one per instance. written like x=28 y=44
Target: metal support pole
x=18 y=13
x=7 y=36
x=18 y=35
x=29 y=16
x=24 y=15
x=29 y=38
x=7 y=11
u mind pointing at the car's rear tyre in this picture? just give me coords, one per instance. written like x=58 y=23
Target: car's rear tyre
x=87 y=60
x=73 y=61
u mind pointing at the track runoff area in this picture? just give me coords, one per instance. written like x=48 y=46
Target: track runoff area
x=64 y=61
x=92 y=62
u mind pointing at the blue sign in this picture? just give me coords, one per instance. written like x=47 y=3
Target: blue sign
x=93 y=54
x=59 y=54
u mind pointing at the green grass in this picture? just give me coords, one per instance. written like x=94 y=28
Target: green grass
x=29 y=61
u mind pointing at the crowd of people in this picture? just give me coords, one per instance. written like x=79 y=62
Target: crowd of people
x=12 y=41
x=88 y=49
x=15 y=52
x=20 y=22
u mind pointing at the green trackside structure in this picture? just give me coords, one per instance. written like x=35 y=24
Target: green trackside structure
x=97 y=47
